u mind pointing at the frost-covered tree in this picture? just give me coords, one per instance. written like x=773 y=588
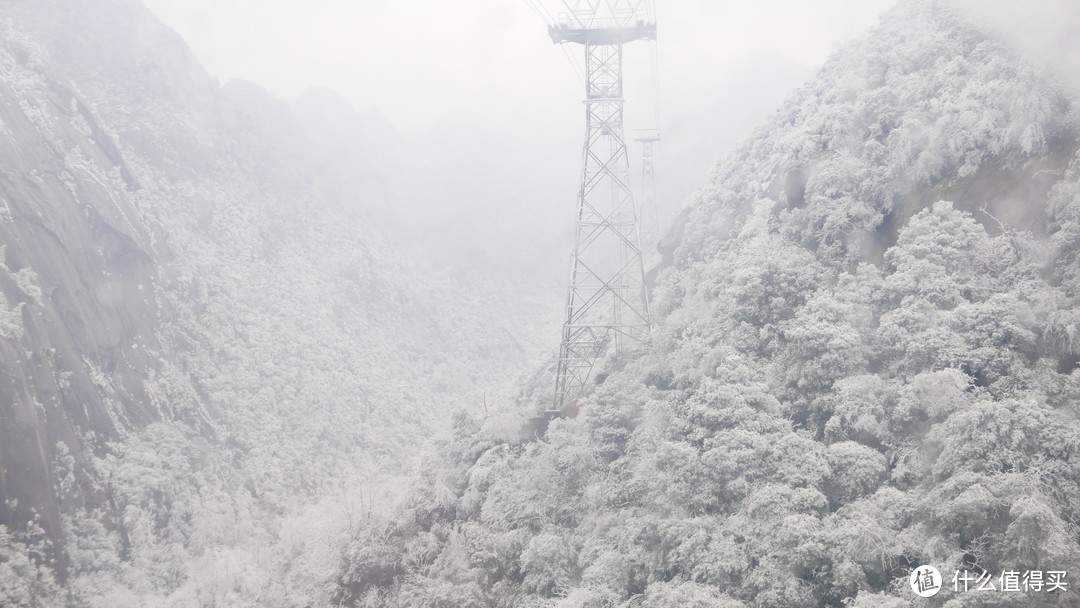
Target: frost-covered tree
x=859 y=366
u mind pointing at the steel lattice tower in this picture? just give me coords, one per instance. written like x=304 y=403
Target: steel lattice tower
x=606 y=306
x=649 y=216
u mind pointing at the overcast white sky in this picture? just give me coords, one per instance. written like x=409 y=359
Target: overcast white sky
x=423 y=62
x=483 y=96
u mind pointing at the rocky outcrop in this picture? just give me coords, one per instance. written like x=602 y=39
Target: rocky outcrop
x=77 y=284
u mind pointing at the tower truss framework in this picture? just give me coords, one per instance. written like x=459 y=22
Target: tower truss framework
x=649 y=216
x=607 y=306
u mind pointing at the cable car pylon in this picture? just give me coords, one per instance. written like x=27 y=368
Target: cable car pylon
x=607 y=307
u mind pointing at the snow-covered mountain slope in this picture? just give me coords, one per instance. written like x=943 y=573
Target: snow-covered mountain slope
x=865 y=360
x=79 y=299
x=207 y=349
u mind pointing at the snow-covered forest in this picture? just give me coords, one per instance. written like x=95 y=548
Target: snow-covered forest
x=241 y=363
x=215 y=355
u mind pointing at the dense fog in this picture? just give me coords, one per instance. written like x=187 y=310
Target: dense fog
x=281 y=291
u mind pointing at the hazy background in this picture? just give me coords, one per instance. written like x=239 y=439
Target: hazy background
x=489 y=110
x=480 y=94
x=424 y=62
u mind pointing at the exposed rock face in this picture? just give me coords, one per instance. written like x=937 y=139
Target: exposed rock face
x=78 y=284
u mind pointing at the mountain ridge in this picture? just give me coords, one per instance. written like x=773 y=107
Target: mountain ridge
x=850 y=376
x=204 y=346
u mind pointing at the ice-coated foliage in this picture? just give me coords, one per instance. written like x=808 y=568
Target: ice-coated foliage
x=266 y=362
x=859 y=366
x=26 y=578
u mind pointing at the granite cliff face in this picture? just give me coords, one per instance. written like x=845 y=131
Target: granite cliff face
x=78 y=284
